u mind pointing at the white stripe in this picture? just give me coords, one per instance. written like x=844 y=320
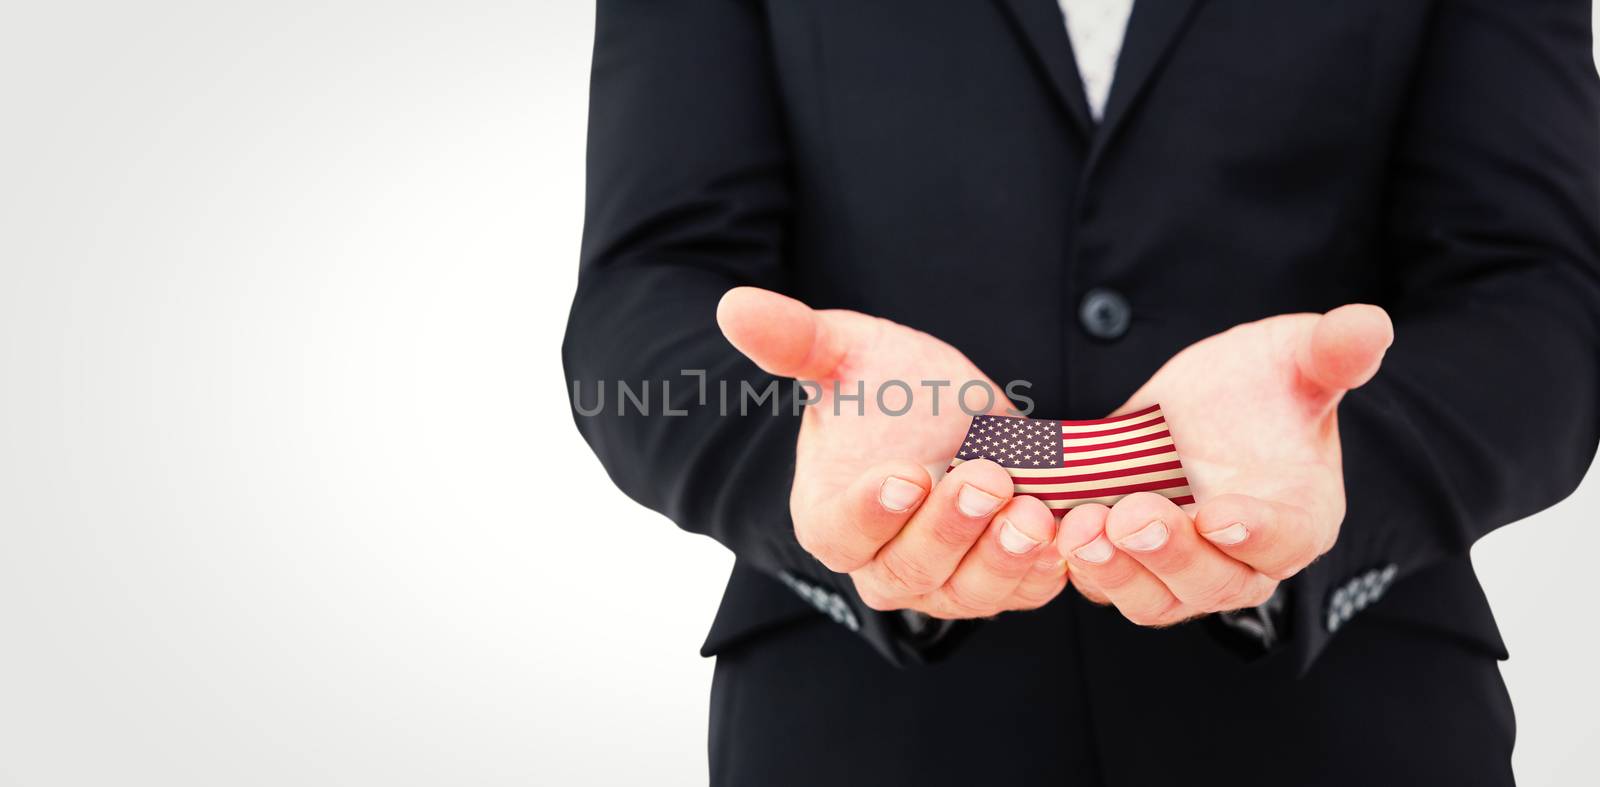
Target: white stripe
x=1121 y=449
x=1068 y=427
x=1071 y=441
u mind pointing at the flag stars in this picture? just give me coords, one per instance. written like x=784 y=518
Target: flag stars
x=1013 y=442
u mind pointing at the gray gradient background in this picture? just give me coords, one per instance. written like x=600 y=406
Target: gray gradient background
x=288 y=492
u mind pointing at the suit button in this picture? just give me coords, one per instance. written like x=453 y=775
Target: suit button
x=1105 y=314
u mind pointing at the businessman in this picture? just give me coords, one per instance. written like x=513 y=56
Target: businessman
x=1352 y=249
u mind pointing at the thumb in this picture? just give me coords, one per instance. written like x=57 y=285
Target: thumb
x=782 y=335
x=1344 y=347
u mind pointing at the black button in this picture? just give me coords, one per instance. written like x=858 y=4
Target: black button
x=1105 y=314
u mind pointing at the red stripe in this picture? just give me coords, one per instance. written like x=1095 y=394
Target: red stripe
x=1148 y=486
x=1126 y=471
x=1184 y=500
x=1120 y=418
x=1119 y=430
x=1160 y=449
x=1078 y=449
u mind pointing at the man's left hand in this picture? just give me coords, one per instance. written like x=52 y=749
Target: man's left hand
x=1253 y=411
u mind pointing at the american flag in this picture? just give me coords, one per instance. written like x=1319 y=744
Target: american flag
x=1069 y=463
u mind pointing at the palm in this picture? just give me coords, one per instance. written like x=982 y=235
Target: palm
x=1248 y=420
x=841 y=440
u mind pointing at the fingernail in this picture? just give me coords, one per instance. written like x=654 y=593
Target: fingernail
x=898 y=494
x=1149 y=539
x=1015 y=541
x=1228 y=536
x=1097 y=551
x=975 y=502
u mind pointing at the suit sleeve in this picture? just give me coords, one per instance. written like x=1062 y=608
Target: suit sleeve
x=688 y=196
x=1485 y=410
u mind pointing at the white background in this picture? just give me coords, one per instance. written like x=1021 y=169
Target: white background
x=288 y=491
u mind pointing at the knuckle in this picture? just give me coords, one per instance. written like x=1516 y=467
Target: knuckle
x=1091 y=593
x=832 y=560
x=954 y=535
x=1000 y=565
x=1037 y=596
x=837 y=563
x=1289 y=565
x=1284 y=573
x=874 y=595
x=1142 y=617
x=940 y=607
x=875 y=599
x=1261 y=593
x=825 y=553
x=1228 y=591
x=1151 y=613
x=1116 y=575
x=1176 y=559
x=906 y=577
x=823 y=545
x=977 y=603
x=1179 y=614
x=808 y=535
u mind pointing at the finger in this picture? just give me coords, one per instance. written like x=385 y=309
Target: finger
x=1042 y=584
x=1275 y=539
x=1079 y=527
x=1161 y=537
x=1344 y=347
x=1087 y=589
x=780 y=334
x=987 y=577
x=1125 y=583
x=1045 y=580
x=925 y=553
x=845 y=533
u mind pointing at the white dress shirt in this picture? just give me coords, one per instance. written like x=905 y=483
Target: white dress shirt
x=1096 y=28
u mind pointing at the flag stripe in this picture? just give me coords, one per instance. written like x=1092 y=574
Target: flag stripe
x=1142 y=431
x=1088 y=457
x=1165 y=447
x=1101 y=473
x=1097 y=490
x=1076 y=435
x=1074 y=449
x=1101 y=484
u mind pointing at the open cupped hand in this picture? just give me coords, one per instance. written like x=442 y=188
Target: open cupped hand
x=1253 y=412
x=864 y=501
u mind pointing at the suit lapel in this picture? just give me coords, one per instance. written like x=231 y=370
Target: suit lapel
x=1041 y=27
x=1153 y=27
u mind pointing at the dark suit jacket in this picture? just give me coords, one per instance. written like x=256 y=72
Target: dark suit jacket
x=922 y=159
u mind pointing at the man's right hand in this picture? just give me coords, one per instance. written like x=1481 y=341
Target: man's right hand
x=863 y=501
